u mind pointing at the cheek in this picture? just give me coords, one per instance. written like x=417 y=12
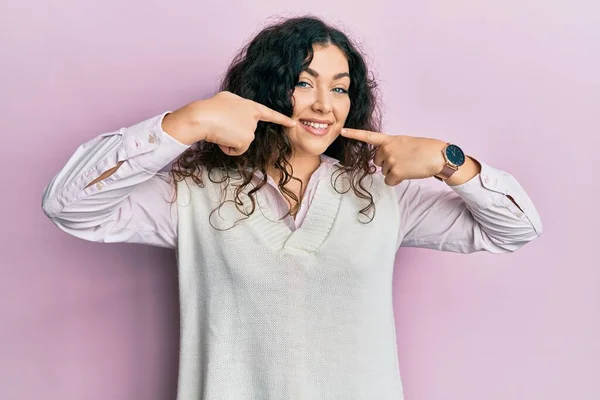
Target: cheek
x=299 y=102
x=342 y=111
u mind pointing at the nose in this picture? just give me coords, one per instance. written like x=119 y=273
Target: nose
x=322 y=102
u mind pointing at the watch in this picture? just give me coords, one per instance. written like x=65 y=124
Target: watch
x=454 y=157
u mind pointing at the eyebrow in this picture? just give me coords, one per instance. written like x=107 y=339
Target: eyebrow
x=335 y=77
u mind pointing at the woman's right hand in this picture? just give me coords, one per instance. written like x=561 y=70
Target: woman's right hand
x=225 y=119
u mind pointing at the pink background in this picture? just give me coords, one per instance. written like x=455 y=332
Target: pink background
x=516 y=83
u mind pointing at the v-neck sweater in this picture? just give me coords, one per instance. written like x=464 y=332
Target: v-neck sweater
x=269 y=313
x=306 y=282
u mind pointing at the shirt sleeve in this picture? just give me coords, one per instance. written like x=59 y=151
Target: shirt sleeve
x=475 y=216
x=134 y=204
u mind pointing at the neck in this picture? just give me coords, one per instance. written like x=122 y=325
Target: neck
x=303 y=167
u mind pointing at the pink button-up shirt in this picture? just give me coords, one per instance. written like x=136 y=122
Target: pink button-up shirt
x=132 y=205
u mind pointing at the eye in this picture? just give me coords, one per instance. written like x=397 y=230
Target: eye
x=300 y=83
x=341 y=90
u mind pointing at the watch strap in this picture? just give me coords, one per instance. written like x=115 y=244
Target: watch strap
x=446 y=173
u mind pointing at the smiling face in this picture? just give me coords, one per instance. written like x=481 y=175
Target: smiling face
x=321 y=102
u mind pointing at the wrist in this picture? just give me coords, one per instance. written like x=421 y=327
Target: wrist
x=438 y=161
x=182 y=125
x=200 y=118
x=457 y=167
x=465 y=173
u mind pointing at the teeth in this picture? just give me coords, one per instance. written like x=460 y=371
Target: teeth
x=315 y=125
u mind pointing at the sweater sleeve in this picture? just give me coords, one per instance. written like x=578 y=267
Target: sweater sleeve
x=134 y=204
x=475 y=216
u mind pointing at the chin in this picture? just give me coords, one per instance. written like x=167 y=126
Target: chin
x=313 y=149
x=309 y=145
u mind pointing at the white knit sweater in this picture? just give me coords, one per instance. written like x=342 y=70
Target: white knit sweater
x=269 y=312
x=273 y=314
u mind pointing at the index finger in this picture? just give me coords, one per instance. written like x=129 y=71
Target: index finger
x=374 y=138
x=270 y=115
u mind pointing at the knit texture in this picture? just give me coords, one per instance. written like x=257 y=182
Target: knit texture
x=268 y=313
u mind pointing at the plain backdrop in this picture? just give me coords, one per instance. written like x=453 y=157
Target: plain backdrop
x=513 y=82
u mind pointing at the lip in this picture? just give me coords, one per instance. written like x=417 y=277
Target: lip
x=314 y=131
x=318 y=121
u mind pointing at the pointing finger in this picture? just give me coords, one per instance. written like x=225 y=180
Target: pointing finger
x=374 y=138
x=269 y=115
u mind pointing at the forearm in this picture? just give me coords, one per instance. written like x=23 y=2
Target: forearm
x=493 y=212
x=135 y=153
x=105 y=175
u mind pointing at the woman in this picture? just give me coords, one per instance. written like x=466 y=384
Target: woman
x=285 y=230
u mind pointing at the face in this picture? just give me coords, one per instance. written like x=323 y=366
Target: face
x=321 y=102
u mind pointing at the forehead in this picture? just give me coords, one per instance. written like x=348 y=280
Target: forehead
x=329 y=60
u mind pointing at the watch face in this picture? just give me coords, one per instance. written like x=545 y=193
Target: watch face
x=455 y=155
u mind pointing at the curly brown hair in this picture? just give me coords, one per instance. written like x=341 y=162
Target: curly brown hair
x=278 y=54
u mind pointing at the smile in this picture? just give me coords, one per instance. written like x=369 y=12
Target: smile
x=314 y=128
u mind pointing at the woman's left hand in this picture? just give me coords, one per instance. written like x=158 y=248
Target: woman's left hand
x=402 y=157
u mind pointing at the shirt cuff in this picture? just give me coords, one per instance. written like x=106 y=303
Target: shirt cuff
x=482 y=189
x=149 y=146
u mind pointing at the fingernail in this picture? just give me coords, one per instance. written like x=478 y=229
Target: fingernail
x=344 y=130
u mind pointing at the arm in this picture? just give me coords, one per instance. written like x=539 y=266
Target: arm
x=488 y=212
x=111 y=190
x=485 y=209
